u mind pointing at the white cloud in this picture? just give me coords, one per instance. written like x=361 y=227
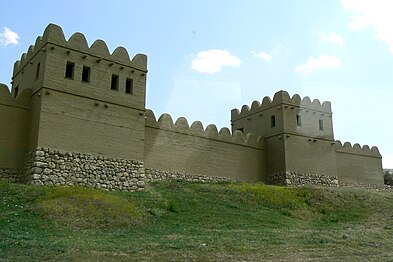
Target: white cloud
x=374 y=14
x=212 y=60
x=263 y=55
x=331 y=38
x=321 y=62
x=9 y=37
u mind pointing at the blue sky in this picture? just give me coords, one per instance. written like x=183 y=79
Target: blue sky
x=207 y=57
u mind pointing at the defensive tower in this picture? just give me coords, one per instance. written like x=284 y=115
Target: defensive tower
x=298 y=133
x=83 y=99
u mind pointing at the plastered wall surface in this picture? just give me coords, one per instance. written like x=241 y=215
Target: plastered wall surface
x=358 y=165
x=14 y=115
x=71 y=99
x=78 y=124
x=310 y=156
x=176 y=147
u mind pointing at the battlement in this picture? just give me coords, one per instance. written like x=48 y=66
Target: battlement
x=281 y=98
x=357 y=149
x=21 y=100
x=53 y=36
x=181 y=125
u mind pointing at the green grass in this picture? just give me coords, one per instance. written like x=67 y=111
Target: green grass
x=177 y=221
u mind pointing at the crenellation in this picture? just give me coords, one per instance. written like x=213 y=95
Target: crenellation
x=357 y=149
x=80 y=112
x=281 y=98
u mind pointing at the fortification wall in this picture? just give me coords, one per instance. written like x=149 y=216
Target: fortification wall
x=356 y=164
x=308 y=155
x=84 y=99
x=292 y=115
x=53 y=52
x=14 y=116
x=60 y=168
x=287 y=178
x=281 y=98
x=192 y=150
x=78 y=124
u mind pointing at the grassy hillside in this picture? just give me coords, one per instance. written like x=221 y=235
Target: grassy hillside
x=177 y=221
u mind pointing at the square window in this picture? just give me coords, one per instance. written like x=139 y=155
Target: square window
x=129 y=86
x=86 y=74
x=115 y=82
x=37 y=71
x=298 y=120
x=273 y=121
x=69 y=73
x=320 y=124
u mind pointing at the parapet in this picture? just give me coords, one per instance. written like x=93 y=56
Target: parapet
x=22 y=100
x=357 y=149
x=54 y=36
x=281 y=98
x=181 y=125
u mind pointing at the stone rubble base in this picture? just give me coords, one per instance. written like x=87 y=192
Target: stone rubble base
x=287 y=178
x=56 y=168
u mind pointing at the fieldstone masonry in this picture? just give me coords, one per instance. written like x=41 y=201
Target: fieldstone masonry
x=57 y=168
x=53 y=106
x=9 y=175
x=299 y=179
x=159 y=175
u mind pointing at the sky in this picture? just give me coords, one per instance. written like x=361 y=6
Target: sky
x=207 y=57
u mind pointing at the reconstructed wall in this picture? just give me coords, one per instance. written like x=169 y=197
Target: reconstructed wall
x=180 y=148
x=79 y=114
x=358 y=164
x=60 y=168
x=287 y=178
x=299 y=139
x=14 y=115
x=84 y=128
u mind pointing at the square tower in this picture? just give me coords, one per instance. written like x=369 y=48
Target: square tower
x=83 y=99
x=298 y=133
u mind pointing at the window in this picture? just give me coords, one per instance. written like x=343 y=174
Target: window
x=86 y=74
x=129 y=86
x=298 y=120
x=16 y=91
x=241 y=129
x=37 y=71
x=273 y=121
x=320 y=124
x=69 y=73
x=115 y=82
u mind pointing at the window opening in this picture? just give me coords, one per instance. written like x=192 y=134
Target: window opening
x=115 y=82
x=129 y=86
x=320 y=124
x=273 y=121
x=16 y=91
x=37 y=71
x=69 y=73
x=241 y=129
x=298 y=120
x=86 y=74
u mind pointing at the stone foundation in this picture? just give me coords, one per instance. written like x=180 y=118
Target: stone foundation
x=287 y=178
x=159 y=175
x=56 y=168
x=10 y=175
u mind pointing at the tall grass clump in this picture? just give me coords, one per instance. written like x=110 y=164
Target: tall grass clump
x=82 y=208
